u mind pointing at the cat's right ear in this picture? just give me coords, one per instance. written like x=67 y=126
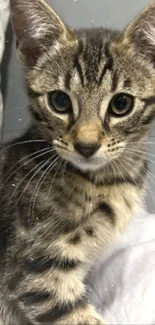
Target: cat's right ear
x=37 y=28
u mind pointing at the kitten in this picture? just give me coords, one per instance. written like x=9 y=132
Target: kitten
x=76 y=178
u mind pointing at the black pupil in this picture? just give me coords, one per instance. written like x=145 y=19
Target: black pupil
x=120 y=103
x=61 y=100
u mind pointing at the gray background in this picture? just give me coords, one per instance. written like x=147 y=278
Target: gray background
x=77 y=13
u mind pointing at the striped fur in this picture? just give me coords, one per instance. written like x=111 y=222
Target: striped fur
x=59 y=210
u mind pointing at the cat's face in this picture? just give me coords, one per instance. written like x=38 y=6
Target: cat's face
x=92 y=91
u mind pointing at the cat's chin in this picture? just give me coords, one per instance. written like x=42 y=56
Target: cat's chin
x=88 y=164
x=94 y=163
x=88 y=167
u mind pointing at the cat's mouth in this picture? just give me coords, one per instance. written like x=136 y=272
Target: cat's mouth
x=88 y=161
x=89 y=164
x=86 y=164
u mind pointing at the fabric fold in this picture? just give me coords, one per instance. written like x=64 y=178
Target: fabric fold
x=4 y=18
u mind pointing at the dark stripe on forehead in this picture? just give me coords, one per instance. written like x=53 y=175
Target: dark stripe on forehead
x=100 y=51
x=127 y=83
x=114 y=81
x=92 y=57
x=91 y=66
x=107 y=52
x=108 y=64
x=77 y=63
x=67 y=80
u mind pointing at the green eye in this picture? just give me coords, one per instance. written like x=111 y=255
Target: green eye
x=121 y=104
x=60 y=102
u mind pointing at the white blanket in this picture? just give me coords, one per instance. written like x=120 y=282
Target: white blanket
x=122 y=286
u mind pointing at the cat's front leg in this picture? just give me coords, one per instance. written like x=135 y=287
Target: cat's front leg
x=79 y=315
x=53 y=293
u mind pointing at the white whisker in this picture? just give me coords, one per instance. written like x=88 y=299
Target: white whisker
x=35 y=154
x=35 y=167
x=18 y=143
x=39 y=183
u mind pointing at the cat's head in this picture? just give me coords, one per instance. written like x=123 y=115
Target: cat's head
x=92 y=91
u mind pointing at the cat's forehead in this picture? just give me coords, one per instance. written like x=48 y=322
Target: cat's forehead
x=91 y=65
x=86 y=62
x=91 y=46
x=95 y=38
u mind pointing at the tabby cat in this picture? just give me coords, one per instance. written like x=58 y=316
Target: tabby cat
x=74 y=180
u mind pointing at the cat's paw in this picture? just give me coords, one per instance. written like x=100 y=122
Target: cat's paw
x=92 y=317
x=89 y=317
x=93 y=321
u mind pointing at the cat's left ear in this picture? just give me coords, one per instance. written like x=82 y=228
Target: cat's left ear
x=139 y=36
x=37 y=28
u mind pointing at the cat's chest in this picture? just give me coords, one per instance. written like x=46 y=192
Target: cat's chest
x=81 y=203
x=91 y=211
x=86 y=204
x=81 y=221
x=79 y=208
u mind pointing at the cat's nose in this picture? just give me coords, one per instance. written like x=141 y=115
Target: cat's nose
x=86 y=149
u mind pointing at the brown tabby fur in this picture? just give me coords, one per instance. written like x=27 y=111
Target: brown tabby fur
x=59 y=210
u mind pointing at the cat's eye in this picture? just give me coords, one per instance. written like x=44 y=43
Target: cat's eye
x=121 y=104
x=60 y=102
